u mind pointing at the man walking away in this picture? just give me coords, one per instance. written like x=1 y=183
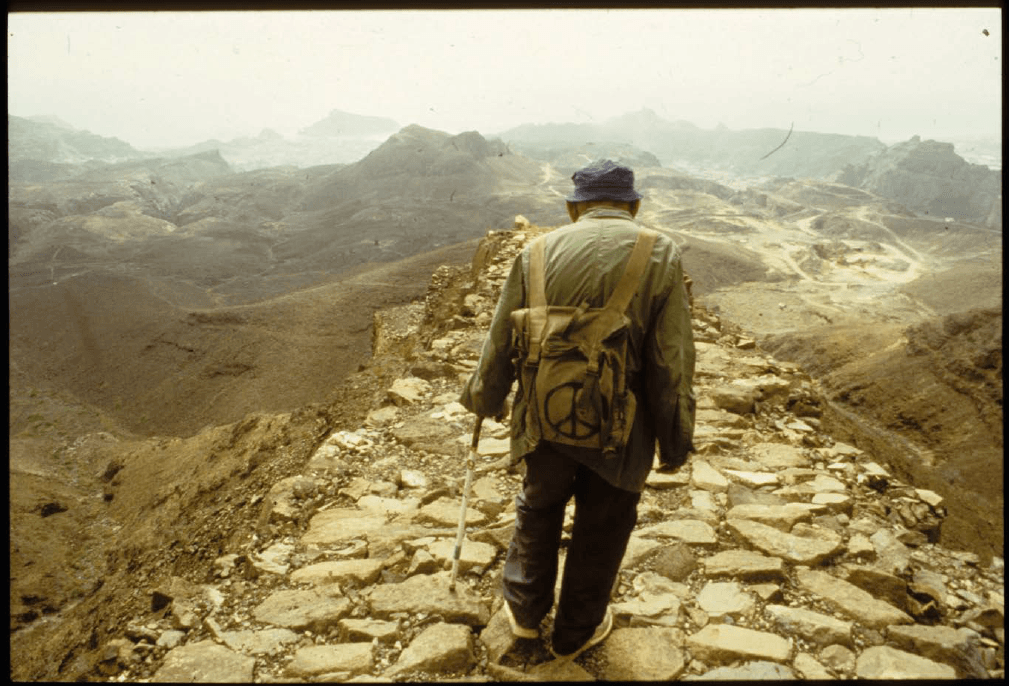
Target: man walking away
x=583 y=265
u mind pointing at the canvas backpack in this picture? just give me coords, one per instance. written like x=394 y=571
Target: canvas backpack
x=572 y=361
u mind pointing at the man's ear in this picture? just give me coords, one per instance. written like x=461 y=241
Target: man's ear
x=635 y=206
x=573 y=211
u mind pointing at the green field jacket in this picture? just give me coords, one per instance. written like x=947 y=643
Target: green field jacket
x=584 y=261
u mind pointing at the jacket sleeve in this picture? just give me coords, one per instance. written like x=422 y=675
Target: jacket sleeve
x=488 y=387
x=669 y=371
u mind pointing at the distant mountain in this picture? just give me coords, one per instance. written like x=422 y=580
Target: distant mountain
x=52 y=119
x=680 y=143
x=569 y=159
x=339 y=123
x=40 y=148
x=929 y=177
x=340 y=138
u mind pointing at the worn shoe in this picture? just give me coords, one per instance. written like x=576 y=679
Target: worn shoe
x=519 y=631
x=602 y=631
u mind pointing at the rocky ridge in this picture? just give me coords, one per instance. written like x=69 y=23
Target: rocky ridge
x=929 y=177
x=776 y=552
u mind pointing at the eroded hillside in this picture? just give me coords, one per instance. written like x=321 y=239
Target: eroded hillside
x=313 y=545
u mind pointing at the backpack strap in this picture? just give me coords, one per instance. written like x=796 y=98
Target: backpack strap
x=537 y=274
x=537 y=298
x=636 y=264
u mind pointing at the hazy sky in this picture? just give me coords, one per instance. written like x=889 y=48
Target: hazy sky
x=177 y=78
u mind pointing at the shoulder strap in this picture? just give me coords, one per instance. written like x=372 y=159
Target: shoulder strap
x=537 y=274
x=537 y=299
x=636 y=264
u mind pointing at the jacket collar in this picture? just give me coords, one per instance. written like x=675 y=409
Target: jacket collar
x=605 y=213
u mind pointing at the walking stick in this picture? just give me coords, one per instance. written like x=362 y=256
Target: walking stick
x=470 y=463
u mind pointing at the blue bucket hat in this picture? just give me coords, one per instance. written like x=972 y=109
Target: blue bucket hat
x=604 y=180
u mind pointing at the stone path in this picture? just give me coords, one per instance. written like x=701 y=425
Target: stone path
x=775 y=553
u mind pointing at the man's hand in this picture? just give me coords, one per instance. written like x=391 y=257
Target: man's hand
x=505 y=410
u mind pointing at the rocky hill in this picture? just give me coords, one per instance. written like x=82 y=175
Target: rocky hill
x=929 y=177
x=926 y=177
x=200 y=280
x=313 y=546
x=41 y=148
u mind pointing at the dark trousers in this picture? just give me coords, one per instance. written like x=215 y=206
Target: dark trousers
x=604 y=518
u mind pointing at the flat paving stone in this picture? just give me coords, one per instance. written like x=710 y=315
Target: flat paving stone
x=721 y=643
x=819 y=628
x=692 y=531
x=339 y=572
x=265 y=641
x=205 y=662
x=445 y=512
x=350 y=658
x=778 y=455
x=744 y=564
x=643 y=654
x=956 y=647
x=341 y=524
x=474 y=554
x=756 y=670
x=884 y=662
x=795 y=549
x=753 y=479
x=810 y=669
x=851 y=600
x=312 y=609
x=781 y=517
x=725 y=598
x=429 y=594
x=707 y=478
x=662 y=480
x=366 y=630
x=440 y=647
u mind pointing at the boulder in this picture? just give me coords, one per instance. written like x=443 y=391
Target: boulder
x=408 y=391
x=734 y=399
x=675 y=561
